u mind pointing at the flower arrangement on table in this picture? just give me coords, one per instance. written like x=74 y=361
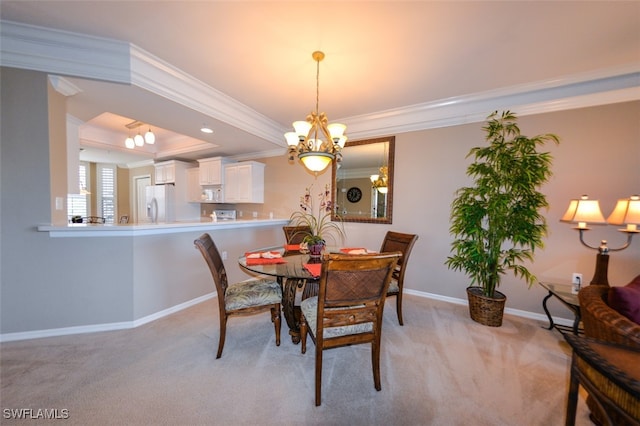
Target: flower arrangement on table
x=321 y=225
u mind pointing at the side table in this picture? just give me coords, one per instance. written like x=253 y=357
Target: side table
x=562 y=292
x=610 y=373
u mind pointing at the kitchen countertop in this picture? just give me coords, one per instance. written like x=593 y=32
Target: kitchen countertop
x=130 y=230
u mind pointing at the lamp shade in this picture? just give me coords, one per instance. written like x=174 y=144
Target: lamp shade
x=149 y=137
x=626 y=212
x=584 y=211
x=129 y=143
x=138 y=139
x=316 y=161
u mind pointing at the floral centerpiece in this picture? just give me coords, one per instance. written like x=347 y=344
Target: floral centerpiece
x=321 y=225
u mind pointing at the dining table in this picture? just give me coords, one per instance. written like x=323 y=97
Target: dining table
x=293 y=271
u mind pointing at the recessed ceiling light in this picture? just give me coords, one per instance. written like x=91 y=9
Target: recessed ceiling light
x=206 y=129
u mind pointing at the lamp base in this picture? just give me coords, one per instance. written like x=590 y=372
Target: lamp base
x=602 y=268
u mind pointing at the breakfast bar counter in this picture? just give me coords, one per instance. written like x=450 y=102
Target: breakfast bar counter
x=110 y=277
x=141 y=229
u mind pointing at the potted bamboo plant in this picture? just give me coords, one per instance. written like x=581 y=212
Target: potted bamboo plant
x=496 y=222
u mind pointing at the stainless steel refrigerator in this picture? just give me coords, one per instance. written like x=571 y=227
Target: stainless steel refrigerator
x=160 y=203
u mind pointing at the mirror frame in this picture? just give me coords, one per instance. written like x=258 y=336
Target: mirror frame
x=388 y=219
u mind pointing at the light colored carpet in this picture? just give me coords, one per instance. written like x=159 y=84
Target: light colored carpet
x=441 y=368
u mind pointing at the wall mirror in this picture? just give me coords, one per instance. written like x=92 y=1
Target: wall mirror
x=362 y=183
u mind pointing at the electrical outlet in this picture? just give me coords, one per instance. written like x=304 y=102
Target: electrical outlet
x=224 y=255
x=576 y=278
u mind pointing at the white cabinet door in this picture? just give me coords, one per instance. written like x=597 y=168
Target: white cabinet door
x=194 y=191
x=244 y=182
x=231 y=188
x=165 y=173
x=211 y=170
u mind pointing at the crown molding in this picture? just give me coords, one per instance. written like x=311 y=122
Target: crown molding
x=158 y=76
x=614 y=85
x=60 y=52
x=79 y=55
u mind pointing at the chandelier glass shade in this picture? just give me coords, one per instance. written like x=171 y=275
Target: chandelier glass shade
x=138 y=139
x=316 y=142
x=149 y=137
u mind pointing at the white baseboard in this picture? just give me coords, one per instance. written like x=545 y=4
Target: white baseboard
x=517 y=312
x=53 y=332
x=36 y=334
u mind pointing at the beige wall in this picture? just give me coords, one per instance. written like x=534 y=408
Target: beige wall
x=598 y=155
x=124 y=194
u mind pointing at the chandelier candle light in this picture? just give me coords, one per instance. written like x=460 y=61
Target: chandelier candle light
x=315 y=141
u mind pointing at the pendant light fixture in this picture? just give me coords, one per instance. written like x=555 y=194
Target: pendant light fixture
x=129 y=143
x=149 y=137
x=138 y=140
x=315 y=141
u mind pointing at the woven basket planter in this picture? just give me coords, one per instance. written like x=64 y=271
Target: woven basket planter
x=486 y=310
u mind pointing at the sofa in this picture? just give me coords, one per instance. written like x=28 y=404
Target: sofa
x=601 y=321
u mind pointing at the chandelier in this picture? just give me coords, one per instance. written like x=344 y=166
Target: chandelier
x=379 y=182
x=138 y=140
x=315 y=141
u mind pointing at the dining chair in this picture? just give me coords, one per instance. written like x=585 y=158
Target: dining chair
x=396 y=241
x=295 y=234
x=244 y=298
x=348 y=308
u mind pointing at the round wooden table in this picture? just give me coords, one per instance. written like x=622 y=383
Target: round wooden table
x=292 y=275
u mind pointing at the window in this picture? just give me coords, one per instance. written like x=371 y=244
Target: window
x=106 y=199
x=77 y=203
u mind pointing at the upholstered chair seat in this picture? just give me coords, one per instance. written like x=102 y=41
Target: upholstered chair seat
x=252 y=292
x=309 y=308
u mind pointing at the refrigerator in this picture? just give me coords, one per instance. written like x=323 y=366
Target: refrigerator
x=160 y=203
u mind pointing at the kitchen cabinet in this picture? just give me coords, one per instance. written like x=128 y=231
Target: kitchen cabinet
x=244 y=182
x=211 y=170
x=194 y=191
x=169 y=171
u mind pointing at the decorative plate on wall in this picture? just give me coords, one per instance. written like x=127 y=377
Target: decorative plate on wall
x=354 y=194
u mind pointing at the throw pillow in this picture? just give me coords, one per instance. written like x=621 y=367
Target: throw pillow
x=626 y=300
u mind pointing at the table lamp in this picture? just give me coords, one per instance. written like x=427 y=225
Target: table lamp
x=584 y=211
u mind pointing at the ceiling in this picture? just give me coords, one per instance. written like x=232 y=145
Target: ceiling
x=382 y=58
